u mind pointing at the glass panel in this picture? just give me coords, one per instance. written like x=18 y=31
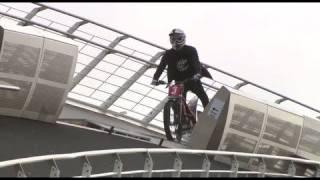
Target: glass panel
x=149 y=102
x=238 y=143
x=234 y=142
x=83 y=90
x=142 y=109
x=98 y=74
x=310 y=137
x=124 y=103
x=132 y=96
x=139 y=88
x=101 y=95
x=108 y=88
x=85 y=99
x=92 y=83
x=116 y=80
x=124 y=72
x=310 y=141
x=282 y=132
x=247 y=120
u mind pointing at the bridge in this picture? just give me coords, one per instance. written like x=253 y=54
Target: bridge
x=76 y=101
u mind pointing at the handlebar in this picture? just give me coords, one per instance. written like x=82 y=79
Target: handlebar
x=161 y=82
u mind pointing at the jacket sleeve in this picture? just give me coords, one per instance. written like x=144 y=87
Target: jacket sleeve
x=160 y=68
x=195 y=60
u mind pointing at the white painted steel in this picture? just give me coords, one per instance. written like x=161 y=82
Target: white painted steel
x=177 y=170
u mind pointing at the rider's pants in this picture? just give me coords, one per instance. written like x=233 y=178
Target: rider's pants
x=196 y=87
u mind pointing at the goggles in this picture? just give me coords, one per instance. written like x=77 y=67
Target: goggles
x=177 y=37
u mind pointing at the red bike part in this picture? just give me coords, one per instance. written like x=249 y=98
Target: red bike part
x=175 y=90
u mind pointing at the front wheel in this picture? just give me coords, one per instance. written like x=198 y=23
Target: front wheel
x=171 y=121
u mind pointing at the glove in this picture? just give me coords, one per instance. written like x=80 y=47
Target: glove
x=154 y=82
x=196 y=76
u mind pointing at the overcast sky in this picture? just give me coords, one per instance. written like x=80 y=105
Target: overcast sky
x=276 y=45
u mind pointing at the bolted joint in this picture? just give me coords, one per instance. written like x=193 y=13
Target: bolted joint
x=261 y=167
x=317 y=173
x=278 y=101
x=20 y=171
x=117 y=168
x=291 y=169
x=177 y=165
x=238 y=86
x=120 y=38
x=76 y=26
x=54 y=172
x=148 y=165
x=86 y=167
x=206 y=164
x=234 y=167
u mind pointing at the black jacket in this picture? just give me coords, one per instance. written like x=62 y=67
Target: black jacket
x=182 y=64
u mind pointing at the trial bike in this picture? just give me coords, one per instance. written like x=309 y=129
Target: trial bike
x=179 y=117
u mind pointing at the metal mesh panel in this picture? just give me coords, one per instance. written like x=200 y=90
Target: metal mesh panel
x=56 y=66
x=14 y=99
x=46 y=99
x=19 y=59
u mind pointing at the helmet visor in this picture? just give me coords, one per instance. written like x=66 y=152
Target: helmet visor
x=177 y=38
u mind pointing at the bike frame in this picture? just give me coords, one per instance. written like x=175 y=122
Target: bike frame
x=175 y=93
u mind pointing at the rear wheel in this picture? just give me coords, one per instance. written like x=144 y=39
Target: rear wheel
x=171 y=120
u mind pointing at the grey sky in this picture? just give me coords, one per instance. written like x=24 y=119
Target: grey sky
x=272 y=44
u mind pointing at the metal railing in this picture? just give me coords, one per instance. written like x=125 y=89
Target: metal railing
x=148 y=160
x=112 y=97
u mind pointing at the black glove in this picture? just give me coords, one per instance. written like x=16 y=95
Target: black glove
x=154 y=82
x=196 y=77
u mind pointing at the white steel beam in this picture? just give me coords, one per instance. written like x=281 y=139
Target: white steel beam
x=31 y=15
x=76 y=26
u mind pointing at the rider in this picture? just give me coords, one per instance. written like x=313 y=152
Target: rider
x=183 y=63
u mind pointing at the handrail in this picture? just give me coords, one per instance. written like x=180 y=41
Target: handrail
x=101 y=25
x=146 y=150
x=151 y=151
